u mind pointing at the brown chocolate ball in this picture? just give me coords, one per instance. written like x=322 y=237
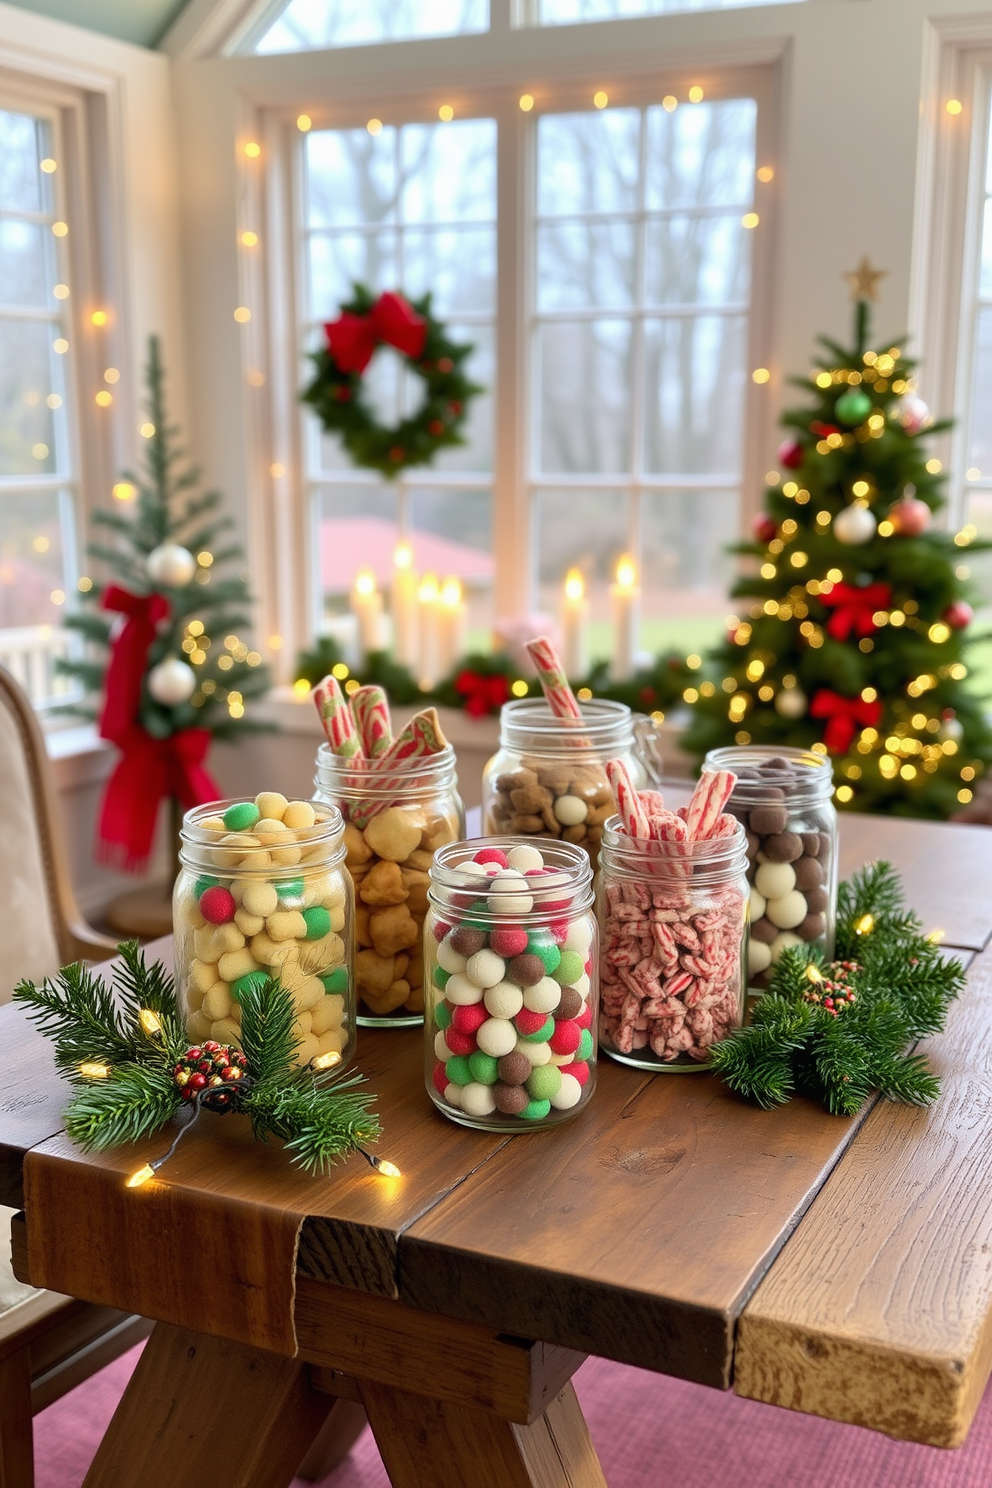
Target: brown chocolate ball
x=570 y=1006
x=809 y=874
x=777 y=762
x=824 y=844
x=811 y=844
x=514 y=1069
x=812 y=927
x=466 y=940
x=783 y=847
x=525 y=970
x=510 y=1099
x=753 y=845
x=769 y=819
x=763 y=929
x=817 y=901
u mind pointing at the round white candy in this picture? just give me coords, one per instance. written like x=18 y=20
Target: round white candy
x=478 y=1099
x=772 y=880
x=544 y=997
x=570 y=810
x=453 y=1094
x=568 y=1094
x=497 y=1036
x=579 y=937
x=511 y=893
x=582 y=985
x=485 y=968
x=787 y=912
x=758 y=902
x=504 y=1000
x=461 y=991
x=536 y=1053
x=562 y=1058
x=448 y=958
x=441 y=1050
x=759 y=957
x=523 y=858
x=782 y=942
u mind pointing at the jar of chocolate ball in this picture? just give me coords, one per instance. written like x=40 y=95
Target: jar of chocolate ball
x=548 y=780
x=262 y=893
x=784 y=798
x=393 y=822
x=673 y=944
x=510 y=950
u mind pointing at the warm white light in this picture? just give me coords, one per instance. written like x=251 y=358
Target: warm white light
x=626 y=573
x=446 y=113
x=365 y=582
x=141 y=1176
x=428 y=591
x=403 y=555
x=451 y=593
x=575 y=585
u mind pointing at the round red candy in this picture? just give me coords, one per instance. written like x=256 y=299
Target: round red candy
x=566 y=1037
x=584 y=1018
x=528 y=1022
x=559 y=931
x=217 y=905
x=508 y=941
x=492 y=855
x=440 y=930
x=440 y=1079
x=579 y=1070
x=467 y=1018
x=458 y=1042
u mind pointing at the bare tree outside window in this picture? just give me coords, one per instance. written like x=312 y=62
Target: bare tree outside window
x=307 y=25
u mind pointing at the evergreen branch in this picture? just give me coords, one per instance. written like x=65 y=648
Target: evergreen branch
x=320 y=1121
x=142 y=986
x=267 y=1037
x=133 y=1103
x=77 y=1011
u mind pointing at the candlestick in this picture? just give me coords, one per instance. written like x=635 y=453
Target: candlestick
x=366 y=606
x=574 y=618
x=452 y=614
x=427 y=620
x=625 y=598
x=404 y=607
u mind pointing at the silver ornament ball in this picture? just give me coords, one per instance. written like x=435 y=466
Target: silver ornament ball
x=172 y=682
x=171 y=565
x=854 y=525
x=791 y=703
x=951 y=729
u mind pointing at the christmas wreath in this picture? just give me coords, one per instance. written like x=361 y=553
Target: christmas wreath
x=338 y=394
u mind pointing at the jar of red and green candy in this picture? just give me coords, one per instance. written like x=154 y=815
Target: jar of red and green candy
x=510 y=950
x=263 y=893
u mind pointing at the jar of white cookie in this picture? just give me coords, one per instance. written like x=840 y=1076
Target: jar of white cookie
x=393 y=821
x=548 y=777
x=262 y=893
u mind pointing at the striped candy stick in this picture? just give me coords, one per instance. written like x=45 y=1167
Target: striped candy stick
x=635 y=822
x=713 y=791
x=559 y=696
x=422 y=736
x=370 y=710
x=335 y=716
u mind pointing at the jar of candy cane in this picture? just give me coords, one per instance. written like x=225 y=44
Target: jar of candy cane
x=784 y=799
x=673 y=924
x=394 y=819
x=511 y=955
x=548 y=779
x=263 y=892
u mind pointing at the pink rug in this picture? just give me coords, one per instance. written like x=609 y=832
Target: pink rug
x=650 y=1432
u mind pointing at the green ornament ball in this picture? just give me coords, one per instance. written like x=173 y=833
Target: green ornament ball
x=853 y=407
x=242 y=816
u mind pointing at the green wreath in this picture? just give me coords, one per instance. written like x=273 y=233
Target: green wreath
x=338 y=395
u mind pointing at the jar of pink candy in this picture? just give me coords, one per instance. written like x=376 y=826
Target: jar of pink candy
x=510 y=949
x=673 y=896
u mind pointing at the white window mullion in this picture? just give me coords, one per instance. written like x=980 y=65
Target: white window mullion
x=515 y=411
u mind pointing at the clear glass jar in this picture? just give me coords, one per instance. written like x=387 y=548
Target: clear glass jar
x=784 y=798
x=393 y=821
x=510 y=1021
x=269 y=898
x=673 y=926
x=547 y=777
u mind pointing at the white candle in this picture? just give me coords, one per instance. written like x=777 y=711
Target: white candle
x=625 y=596
x=366 y=606
x=427 y=624
x=404 y=606
x=574 y=618
x=452 y=615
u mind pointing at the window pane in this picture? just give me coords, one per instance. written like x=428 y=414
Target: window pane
x=979 y=512
x=26 y=270
x=339 y=260
x=308 y=24
x=568 y=12
x=476 y=454
x=457 y=266
x=448 y=171
x=27 y=380
x=695 y=380
x=586 y=530
x=701 y=154
x=584 y=266
x=585 y=396
x=351 y=177
x=24 y=142
x=684 y=536
x=451 y=536
x=32 y=559
x=587 y=162
x=980 y=444
x=985 y=285
x=697 y=261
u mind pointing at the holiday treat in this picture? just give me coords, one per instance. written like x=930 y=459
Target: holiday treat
x=783 y=801
x=673 y=912
x=262 y=895
x=511 y=949
x=399 y=801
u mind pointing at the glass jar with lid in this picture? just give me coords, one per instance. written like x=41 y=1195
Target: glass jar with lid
x=393 y=821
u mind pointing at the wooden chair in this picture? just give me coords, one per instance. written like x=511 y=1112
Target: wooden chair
x=48 y=1343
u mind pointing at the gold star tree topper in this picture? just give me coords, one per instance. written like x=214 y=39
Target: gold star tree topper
x=864 y=280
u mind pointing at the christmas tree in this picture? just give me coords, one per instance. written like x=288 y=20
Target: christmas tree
x=854 y=636
x=163 y=669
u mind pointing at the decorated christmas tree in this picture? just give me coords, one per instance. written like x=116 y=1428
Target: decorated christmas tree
x=164 y=669
x=853 y=637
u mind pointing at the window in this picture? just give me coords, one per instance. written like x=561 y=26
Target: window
x=568 y=12
x=977 y=448
x=308 y=24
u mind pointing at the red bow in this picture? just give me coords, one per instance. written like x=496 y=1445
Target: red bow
x=482 y=694
x=352 y=339
x=149 y=771
x=844 y=716
x=128 y=656
x=853 y=608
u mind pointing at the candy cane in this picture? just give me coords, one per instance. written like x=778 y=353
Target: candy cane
x=422 y=736
x=635 y=822
x=713 y=791
x=551 y=675
x=335 y=716
x=370 y=710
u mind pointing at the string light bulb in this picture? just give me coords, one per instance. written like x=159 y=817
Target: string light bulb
x=332 y=1057
x=381 y=1165
x=864 y=924
x=141 y=1176
x=93 y=1069
x=150 y=1023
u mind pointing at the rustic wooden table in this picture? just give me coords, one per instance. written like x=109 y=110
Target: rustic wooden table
x=670 y=1226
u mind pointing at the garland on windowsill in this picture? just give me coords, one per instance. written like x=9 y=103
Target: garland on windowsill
x=838 y=1031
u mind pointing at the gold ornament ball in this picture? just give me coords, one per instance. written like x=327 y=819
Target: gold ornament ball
x=791 y=703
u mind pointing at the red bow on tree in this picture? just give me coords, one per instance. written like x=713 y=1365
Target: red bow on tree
x=844 y=717
x=853 y=608
x=482 y=694
x=128 y=655
x=352 y=339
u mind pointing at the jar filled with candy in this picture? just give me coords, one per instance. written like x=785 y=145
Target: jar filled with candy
x=262 y=893
x=511 y=954
x=784 y=799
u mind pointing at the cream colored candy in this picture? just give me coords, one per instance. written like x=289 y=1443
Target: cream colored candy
x=327 y=1014
x=202 y=974
x=236 y=964
x=759 y=957
x=773 y=880
x=213 y=824
x=395 y=833
x=260 y=899
x=331 y=1042
x=273 y=953
x=757 y=903
x=271 y=805
x=536 y=1053
x=782 y=941
x=307 y=994
x=232 y=849
x=213 y=941
x=324 y=953
x=217 y=1002
x=307 y=1050
x=299 y=815
x=226 y=1031
x=198 y=1026
x=286 y=924
x=787 y=912
x=194 y=997
x=248 y=924
x=570 y=810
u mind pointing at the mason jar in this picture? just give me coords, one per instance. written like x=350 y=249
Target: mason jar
x=393 y=822
x=263 y=892
x=547 y=778
x=673 y=928
x=511 y=954
x=784 y=799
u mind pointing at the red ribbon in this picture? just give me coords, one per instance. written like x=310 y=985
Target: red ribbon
x=352 y=339
x=149 y=771
x=853 y=608
x=128 y=656
x=844 y=717
x=482 y=694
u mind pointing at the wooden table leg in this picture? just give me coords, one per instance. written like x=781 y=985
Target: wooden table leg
x=334 y=1441
x=448 y=1446
x=206 y=1408
x=16 y=1437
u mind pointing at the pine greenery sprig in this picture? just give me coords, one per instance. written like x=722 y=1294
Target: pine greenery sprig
x=903 y=987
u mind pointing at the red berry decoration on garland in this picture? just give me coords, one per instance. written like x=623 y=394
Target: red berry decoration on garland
x=958 y=615
x=207 y=1065
x=834 y=992
x=217 y=905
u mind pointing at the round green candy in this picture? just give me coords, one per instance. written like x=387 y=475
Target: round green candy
x=242 y=816
x=549 y=956
x=584 y=1051
x=318 y=922
x=336 y=980
x=570 y=968
x=203 y=883
x=290 y=891
x=458 y=1071
x=542 y=1035
x=544 y=1081
x=441 y=977
x=535 y=1110
x=484 y=1067
x=252 y=980
x=442 y=1016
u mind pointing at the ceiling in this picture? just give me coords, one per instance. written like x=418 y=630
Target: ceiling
x=143 y=22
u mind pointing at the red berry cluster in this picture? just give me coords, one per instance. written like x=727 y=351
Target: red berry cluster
x=207 y=1065
x=834 y=992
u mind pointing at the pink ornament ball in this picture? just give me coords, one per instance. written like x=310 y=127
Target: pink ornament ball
x=911 y=517
x=765 y=527
x=958 y=615
x=217 y=905
x=790 y=454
